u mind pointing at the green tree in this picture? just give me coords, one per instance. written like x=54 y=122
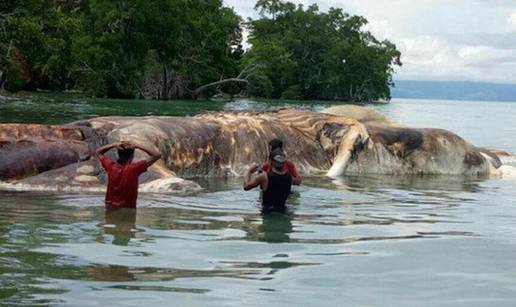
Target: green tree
x=35 y=37
x=310 y=54
x=159 y=49
x=187 y=48
x=119 y=48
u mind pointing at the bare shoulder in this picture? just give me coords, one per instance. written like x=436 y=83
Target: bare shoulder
x=263 y=179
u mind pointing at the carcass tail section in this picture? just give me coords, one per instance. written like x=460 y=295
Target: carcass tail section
x=351 y=141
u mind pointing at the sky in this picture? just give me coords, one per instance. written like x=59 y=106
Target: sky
x=440 y=40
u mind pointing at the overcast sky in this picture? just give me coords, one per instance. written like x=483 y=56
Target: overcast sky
x=472 y=40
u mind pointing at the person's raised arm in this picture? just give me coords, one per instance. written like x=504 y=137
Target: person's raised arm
x=102 y=150
x=296 y=178
x=250 y=181
x=154 y=155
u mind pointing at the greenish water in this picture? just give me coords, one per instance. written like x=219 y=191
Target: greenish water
x=62 y=108
x=358 y=241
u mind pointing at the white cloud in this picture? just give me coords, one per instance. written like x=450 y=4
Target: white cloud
x=434 y=58
x=484 y=55
x=428 y=57
x=438 y=39
x=512 y=21
x=380 y=28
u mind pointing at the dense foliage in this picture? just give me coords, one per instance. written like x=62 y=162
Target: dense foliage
x=183 y=48
x=116 y=48
x=308 y=54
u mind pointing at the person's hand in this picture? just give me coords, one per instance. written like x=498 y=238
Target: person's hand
x=253 y=167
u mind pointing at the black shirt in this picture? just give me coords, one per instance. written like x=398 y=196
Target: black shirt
x=278 y=190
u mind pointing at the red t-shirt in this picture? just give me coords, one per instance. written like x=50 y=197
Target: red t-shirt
x=289 y=166
x=122 y=189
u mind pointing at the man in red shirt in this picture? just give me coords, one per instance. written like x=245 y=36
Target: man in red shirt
x=288 y=166
x=122 y=189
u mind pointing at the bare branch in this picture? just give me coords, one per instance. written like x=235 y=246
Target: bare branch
x=248 y=71
x=200 y=89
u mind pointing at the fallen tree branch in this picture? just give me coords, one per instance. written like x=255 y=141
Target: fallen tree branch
x=249 y=71
x=202 y=88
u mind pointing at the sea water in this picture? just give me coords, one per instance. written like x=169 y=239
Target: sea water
x=356 y=241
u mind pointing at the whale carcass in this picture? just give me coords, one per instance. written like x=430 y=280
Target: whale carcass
x=337 y=142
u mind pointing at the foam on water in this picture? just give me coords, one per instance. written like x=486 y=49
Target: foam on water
x=508 y=172
x=170 y=185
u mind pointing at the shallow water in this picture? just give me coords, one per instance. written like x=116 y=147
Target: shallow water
x=367 y=241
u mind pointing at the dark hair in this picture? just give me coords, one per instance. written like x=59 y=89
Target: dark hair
x=275 y=152
x=275 y=144
x=124 y=155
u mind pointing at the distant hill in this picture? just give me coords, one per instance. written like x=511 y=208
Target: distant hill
x=454 y=90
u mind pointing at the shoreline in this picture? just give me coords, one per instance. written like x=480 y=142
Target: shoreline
x=7 y=96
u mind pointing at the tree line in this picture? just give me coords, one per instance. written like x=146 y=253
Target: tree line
x=170 y=49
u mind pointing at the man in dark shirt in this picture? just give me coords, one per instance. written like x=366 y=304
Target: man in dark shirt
x=276 y=184
x=122 y=189
x=289 y=166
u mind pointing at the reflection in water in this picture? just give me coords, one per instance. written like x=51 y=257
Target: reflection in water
x=374 y=183
x=112 y=273
x=65 y=245
x=276 y=227
x=120 y=224
x=159 y=288
x=374 y=236
x=116 y=273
